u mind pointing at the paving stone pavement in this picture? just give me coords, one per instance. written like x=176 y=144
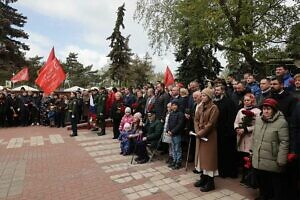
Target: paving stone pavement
x=45 y=163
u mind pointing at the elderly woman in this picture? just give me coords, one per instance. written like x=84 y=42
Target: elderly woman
x=243 y=126
x=270 y=150
x=205 y=128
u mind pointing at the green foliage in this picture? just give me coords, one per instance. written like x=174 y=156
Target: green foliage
x=293 y=46
x=77 y=74
x=243 y=28
x=11 y=23
x=120 y=53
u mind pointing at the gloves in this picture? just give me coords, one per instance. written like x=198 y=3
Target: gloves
x=292 y=157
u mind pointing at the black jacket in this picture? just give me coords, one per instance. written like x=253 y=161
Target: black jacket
x=176 y=122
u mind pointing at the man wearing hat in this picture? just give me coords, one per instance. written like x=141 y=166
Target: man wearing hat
x=100 y=102
x=153 y=130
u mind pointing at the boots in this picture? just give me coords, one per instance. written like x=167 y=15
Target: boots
x=170 y=160
x=177 y=165
x=202 y=181
x=102 y=132
x=172 y=164
x=210 y=185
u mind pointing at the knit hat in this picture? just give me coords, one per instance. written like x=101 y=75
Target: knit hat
x=127 y=110
x=138 y=115
x=127 y=126
x=270 y=102
x=208 y=92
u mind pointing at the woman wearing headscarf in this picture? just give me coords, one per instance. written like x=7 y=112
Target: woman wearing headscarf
x=270 y=151
x=207 y=153
x=243 y=126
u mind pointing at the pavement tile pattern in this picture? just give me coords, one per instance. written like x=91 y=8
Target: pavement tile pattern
x=45 y=163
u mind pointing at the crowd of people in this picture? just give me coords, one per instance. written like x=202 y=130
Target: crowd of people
x=229 y=127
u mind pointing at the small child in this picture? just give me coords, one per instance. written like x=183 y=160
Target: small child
x=123 y=137
x=127 y=118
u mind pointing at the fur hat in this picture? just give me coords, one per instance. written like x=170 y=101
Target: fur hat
x=208 y=92
x=127 y=110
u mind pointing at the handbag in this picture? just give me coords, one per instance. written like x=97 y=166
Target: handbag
x=166 y=138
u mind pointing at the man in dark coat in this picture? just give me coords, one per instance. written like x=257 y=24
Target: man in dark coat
x=100 y=103
x=73 y=112
x=226 y=135
x=161 y=100
x=151 y=135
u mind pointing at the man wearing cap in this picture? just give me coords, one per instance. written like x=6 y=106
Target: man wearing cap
x=153 y=130
x=100 y=110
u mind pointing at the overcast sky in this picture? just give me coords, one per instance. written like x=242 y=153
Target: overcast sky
x=82 y=27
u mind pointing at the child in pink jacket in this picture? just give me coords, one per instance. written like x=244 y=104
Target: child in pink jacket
x=127 y=118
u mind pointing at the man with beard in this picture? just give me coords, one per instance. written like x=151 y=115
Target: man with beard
x=287 y=104
x=226 y=136
x=161 y=100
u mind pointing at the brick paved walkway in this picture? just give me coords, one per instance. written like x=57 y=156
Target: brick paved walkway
x=45 y=163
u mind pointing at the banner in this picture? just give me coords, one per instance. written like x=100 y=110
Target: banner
x=51 y=76
x=22 y=75
x=169 y=79
x=50 y=58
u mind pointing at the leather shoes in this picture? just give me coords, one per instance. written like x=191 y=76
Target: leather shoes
x=72 y=135
x=196 y=171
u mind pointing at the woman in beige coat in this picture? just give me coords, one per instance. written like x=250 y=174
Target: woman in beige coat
x=244 y=125
x=206 y=151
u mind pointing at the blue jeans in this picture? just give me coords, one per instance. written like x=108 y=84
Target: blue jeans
x=177 y=151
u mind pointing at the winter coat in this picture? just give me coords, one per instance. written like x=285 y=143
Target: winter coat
x=270 y=143
x=286 y=104
x=244 y=142
x=125 y=119
x=205 y=126
x=295 y=131
x=160 y=105
x=176 y=122
x=153 y=131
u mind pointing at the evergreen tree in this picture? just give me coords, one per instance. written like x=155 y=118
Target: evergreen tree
x=11 y=23
x=34 y=64
x=120 y=53
x=141 y=70
x=78 y=74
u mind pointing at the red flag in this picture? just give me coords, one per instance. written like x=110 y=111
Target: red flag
x=51 y=76
x=169 y=79
x=50 y=58
x=22 y=75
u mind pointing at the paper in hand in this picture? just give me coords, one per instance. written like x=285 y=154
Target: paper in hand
x=203 y=138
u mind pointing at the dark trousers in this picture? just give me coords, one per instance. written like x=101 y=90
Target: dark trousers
x=101 y=122
x=291 y=179
x=271 y=185
x=60 y=119
x=227 y=156
x=74 y=125
x=116 y=124
x=141 y=150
